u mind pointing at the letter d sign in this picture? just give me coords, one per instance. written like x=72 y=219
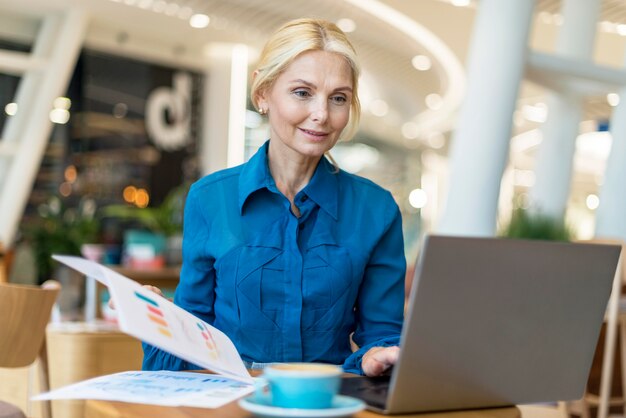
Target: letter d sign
x=171 y=133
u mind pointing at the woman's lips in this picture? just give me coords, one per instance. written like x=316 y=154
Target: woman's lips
x=316 y=134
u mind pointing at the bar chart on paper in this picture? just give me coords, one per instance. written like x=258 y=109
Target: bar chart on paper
x=157 y=321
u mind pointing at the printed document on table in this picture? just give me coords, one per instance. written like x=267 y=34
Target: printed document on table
x=156 y=388
x=157 y=321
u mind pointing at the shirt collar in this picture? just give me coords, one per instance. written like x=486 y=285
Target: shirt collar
x=255 y=175
x=323 y=188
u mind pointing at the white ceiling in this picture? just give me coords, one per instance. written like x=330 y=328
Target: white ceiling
x=132 y=27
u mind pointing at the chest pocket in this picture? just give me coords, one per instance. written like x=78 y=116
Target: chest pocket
x=326 y=280
x=260 y=287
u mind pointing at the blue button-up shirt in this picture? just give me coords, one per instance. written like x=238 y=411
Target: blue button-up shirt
x=287 y=288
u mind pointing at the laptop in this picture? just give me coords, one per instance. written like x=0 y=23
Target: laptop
x=495 y=322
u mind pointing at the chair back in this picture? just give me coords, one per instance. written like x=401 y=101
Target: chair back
x=25 y=312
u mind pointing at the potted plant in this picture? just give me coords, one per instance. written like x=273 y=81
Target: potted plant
x=60 y=229
x=164 y=220
x=536 y=225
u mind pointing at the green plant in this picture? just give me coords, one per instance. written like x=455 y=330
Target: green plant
x=60 y=229
x=167 y=218
x=526 y=224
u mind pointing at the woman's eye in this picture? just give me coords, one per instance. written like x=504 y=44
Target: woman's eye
x=301 y=93
x=339 y=99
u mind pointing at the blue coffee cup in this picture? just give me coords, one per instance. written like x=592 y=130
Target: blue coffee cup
x=299 y=385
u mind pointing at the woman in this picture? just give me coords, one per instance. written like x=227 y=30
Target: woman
x=287 y=254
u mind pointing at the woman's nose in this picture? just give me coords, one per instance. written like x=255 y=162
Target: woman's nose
x=319 y=111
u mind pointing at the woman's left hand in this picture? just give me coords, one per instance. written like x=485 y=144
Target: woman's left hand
x=379 y=359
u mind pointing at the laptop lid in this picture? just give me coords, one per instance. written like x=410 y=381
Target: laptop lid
x=495 y=322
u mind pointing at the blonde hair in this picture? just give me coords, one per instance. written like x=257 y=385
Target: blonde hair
x=297 y=37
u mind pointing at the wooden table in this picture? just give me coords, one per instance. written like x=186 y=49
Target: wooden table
x=79 y=351
x=107 y=409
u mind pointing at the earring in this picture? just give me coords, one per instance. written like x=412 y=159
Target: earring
x=262 y=111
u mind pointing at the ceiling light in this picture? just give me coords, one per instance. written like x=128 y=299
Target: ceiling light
x=60 y=116
x=410 y=130
x=418 y=198
x=434 y=101
x=199 y=21
x=346 y=25
x=613 y=99
x=460 y=3
x=120 y=110
x=621 y=29
x=592 y=201
x=10 y=109
x=537 y=113
x=421 y=62
x=436 y=140
x=62 y=103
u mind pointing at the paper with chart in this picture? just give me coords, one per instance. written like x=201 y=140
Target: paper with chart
x=156 y=388
x=157 y=321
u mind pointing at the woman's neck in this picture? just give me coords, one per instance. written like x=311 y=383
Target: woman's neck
x=291 y=171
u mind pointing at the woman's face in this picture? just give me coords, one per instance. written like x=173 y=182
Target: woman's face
x=309 y=103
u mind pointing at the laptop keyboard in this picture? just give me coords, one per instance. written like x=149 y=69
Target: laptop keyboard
x=372 y=390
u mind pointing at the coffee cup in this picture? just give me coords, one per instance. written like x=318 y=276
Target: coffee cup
x=299 y=385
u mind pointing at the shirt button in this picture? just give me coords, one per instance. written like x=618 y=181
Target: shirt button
x=304 y=198
x=301 y=226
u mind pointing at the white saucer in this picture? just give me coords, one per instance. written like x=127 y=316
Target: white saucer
x=342 y=406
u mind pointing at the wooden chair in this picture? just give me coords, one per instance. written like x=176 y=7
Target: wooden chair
x=25 y=312
x=3 y=267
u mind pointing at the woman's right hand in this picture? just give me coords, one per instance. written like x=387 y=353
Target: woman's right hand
x=145 y=286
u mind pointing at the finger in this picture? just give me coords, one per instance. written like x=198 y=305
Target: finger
x=153 y=289
x=380 y=360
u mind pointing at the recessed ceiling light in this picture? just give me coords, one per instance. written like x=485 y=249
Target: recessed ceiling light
x=10 y=109
x=62 y=103
x=436 y=140
x=60 y=116
x=199 y=21
x=410 y=130
x=434 y=101
x=592 y=201
x=418 y=198
x=421 y=62
x=613 y=99
x=346 y=25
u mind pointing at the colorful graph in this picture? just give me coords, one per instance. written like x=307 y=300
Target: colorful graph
x=155 y=314
x=208 y=340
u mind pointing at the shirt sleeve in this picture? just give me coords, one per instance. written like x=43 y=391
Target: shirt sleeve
x=380 y=304
x=195 y=292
